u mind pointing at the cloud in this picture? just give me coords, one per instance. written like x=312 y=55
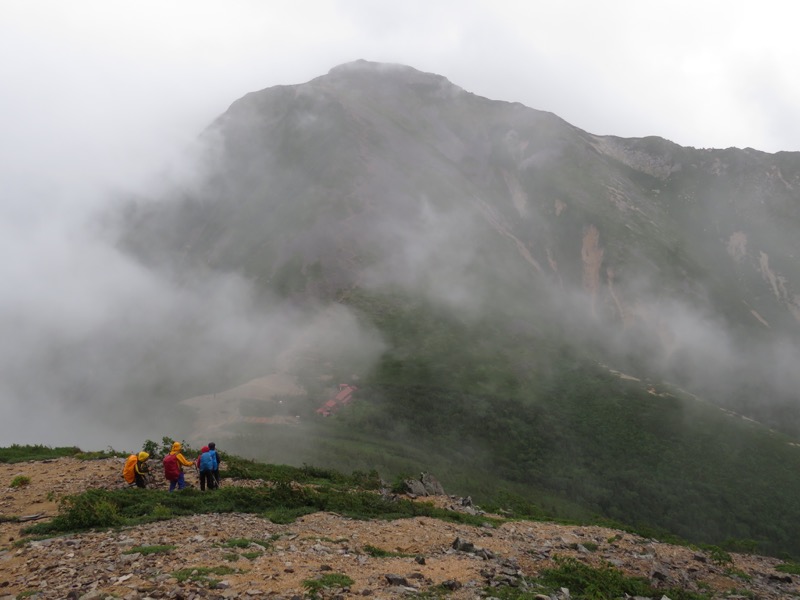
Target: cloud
x=99 y=97
x=98 y=349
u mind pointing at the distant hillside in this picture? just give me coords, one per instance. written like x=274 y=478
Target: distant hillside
x=524 y=307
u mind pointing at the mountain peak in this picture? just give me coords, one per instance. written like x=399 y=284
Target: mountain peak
x=363 y=71
x=366 y=67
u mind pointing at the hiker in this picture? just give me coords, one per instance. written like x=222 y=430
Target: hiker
x=212 y=447
x=173 y=467
x=207 y=462
x=203 y=450
x=135 y=470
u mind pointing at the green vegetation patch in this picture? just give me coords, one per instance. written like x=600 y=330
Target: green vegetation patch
x=20 y=481
x=717 y=555
x=110 y=508
x=246 y=543
x=327 y=581
x=202 y=575
x=791 y=568
x=22 y=453
x=592 y=583
x=243 y=468
x=381 y=553
x=100 y=454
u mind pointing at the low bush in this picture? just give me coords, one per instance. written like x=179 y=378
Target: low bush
x=246 y=543
x=22 y=453
x=376 y=552
x=90 y=510
x=281 y=504
x=791 y=568
x=327 y=581
x=202 y=575
x=585 y=582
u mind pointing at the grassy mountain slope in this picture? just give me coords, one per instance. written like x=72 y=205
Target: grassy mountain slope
x=508 y=262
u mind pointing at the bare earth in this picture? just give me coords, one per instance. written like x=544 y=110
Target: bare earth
x=101 y=565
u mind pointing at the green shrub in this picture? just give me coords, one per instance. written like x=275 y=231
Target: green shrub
x=246 y=543
x=22 y=453
x=329 y=580
x=156 y=449
x=399 y=483
x=201 y=575
x=90 y=510
x=738 y=573
x=161 y=513
x=20 y=481
x=791 y=568
x=594 y=583
x=381 y=553
x=282 y=503
x=717 y=555
x=285 y=516
x=366 y=481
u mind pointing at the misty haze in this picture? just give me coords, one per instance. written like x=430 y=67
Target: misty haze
x=505 y=292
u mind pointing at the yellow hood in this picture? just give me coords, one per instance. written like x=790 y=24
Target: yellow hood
x=143 y=456
x=176 y=447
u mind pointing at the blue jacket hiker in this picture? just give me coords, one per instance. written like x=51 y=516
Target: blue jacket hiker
x=208 y=463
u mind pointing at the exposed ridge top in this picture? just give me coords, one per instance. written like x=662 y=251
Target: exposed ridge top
x=361 y=68
x=367 y=66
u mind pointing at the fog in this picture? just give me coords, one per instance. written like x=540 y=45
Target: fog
x=97 y=348
x=101 y=104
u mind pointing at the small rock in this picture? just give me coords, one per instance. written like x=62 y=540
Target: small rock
x=451 y=584
x=463 y=546
x=396 y=579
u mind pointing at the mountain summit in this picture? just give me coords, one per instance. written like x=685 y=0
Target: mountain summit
x=569 y=313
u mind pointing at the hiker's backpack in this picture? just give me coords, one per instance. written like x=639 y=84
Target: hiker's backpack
x=128 y=472
x=208 y=461
x=172 y=469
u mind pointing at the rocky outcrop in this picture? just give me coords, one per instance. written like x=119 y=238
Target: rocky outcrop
x=426 y=485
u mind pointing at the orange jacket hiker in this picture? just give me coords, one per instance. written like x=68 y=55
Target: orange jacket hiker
x=135 y=469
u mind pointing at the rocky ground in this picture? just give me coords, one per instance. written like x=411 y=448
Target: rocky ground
x=247 y=556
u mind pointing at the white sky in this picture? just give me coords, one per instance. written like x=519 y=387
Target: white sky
x=98 y=94
x=106 y=79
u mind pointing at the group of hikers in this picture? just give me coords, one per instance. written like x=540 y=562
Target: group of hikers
x=136 y=470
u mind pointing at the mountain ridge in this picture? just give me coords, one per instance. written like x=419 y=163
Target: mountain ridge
x=478 y=267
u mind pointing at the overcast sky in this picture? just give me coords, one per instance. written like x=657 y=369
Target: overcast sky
x=120 y=86
x=97 y=95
